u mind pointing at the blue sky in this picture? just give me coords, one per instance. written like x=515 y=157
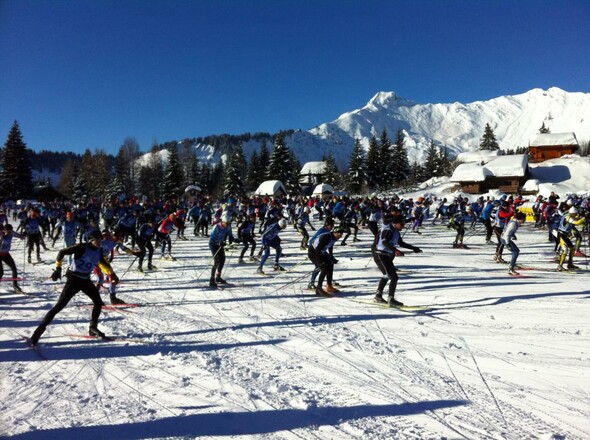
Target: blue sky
x=87 y=74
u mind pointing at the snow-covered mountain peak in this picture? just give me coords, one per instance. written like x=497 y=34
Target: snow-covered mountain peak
x=387 y=100
x=458 y=127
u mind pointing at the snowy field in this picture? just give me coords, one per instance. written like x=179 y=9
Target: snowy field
x=492 y=357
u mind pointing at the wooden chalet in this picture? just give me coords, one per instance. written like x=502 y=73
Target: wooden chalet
x=504 y=173
x=552 y=146
x=312 y=172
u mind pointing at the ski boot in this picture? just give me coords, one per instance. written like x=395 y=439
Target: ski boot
x=321 y=292
x=94 y=331
x=394 y=303
x=331 y=289
x=279 y=268
x=379 y=298
x=115 y=301
x=212 y=282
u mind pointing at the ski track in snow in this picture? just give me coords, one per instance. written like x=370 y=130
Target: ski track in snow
x=492 y=357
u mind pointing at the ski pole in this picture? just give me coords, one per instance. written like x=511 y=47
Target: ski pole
x=208 y=264
x=293 y=281
x=129 y=267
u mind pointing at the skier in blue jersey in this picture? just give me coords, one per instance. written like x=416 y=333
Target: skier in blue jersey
x=301 y=223
x=32 y=228
x=246 y=235
x=509 y=236
x=320 y=253
x=6 y=235
x=388 y=239
x=85 y=258
x=220 y=233
x=311 y=254
x=271 y=239
x=144 y=242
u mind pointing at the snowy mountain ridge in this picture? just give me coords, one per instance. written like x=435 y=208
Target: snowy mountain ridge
x=457 y=126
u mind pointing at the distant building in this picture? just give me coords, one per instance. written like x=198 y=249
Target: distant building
x=504 y=173
x=310 y=176
x=271 y=188
x=552 y=146
x=311 y=173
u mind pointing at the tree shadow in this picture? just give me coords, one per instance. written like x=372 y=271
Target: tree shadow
x=17 y=351
x=239 y=423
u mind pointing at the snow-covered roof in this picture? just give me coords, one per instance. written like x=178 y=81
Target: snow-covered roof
x=313 y=168
x=270 y=187
x=550 y=139
x=512 y=165
x=323 y=188
x=470 y=172
x=478 y=156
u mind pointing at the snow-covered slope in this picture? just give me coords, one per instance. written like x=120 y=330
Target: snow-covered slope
x=515 y=121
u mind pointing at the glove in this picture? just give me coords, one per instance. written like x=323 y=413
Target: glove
x=514 y=237
x=56 y=275
x=115 y=278
x=334 y=260
x=417 y=250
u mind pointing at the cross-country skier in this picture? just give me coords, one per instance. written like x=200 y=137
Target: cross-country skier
x=270 y=239
x=320 y=253
x=144 y=241
x=32 y=228
x=86 y=257
x=509 y=236
x=302 y=221
x=327 y=227
x=220 y=234
x=388 y=240
x=565 y=233
x=246 y=234
x=350 y=223
x=6 y=235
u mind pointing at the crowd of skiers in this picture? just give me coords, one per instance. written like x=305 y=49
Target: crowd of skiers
x=90 y=232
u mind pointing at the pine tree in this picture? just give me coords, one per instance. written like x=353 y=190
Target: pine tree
x=330 y=175
x=216 y=181
x=192 y=168
x=264 y=161
x=122 y=173
x=432 y=164
x=128 y=153
x=488 y=140
x=173 y=176
x=88 y=176
x=386 y=159
x=205 y=181
x=544 y=129
x=280 y=165
x=445 y=164
x=293 y=184
x=401 y=168
x=255 y=173
x=418 y=173
x=101 y=174
x=373 y=164
x=357 y=175
x=67 y=178
x=234 y=173
x=16 y=178
x=80 y=187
